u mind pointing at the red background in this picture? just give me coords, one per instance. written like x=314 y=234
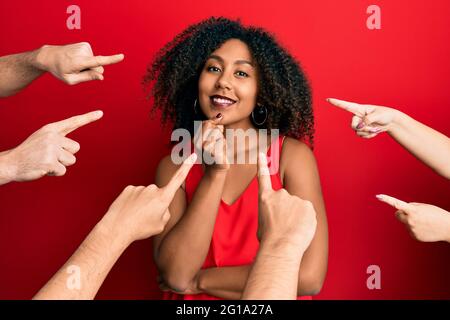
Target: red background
x=405 y=65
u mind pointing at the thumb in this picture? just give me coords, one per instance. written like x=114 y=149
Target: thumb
x=373 y=118
x=87 y=75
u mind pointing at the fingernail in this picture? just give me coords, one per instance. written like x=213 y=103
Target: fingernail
x=219 y=115
x=375 y=130
x=360 y=125
x=262 y=158
x=328 y=99
x=379 y=196
x=192 y=158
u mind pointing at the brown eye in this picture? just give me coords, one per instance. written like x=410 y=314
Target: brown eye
x=213 y=69
x=242 y=74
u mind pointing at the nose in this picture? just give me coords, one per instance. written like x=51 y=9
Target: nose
x=223 y=82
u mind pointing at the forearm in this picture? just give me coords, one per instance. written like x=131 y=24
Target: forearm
x=446 y=224
x=224 y=282
x=84 y=273
x=6 y=169
x=425 y=143
x=229 y=282
x=274 y=274
x=17 y=71
x=183 y=250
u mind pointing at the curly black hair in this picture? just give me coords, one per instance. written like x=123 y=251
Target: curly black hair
x=283 y=88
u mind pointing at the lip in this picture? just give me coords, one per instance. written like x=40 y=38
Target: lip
x=222 y=102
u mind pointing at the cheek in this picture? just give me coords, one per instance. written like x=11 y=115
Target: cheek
x=205 y=83
x=248 y=93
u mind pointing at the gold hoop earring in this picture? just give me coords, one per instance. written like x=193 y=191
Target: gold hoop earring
x=261 y=115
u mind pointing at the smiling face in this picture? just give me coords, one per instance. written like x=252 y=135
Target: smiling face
x=228 y=84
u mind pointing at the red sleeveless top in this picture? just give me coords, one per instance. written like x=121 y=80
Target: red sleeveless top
x=234 y=241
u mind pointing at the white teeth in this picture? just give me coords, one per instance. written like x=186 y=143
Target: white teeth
x=222 y=100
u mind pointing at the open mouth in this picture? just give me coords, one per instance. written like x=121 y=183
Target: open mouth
x=221 y=101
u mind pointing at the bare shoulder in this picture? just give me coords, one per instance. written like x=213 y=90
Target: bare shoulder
x=166 y=169
x=296 y=151
x=296 y=156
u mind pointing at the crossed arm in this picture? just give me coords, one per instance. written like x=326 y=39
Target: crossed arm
x=181 y=268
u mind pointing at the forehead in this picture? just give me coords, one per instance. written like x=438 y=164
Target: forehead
x=233 y=49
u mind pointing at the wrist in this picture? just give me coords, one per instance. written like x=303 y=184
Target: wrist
x=202 y=280
x=8 y=169
x=398 y=119
x=107 y=229
x=447 y=236
x=41 y=58
x=282 y=246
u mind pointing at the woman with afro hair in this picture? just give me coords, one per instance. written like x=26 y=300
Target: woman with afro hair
x=232 y=77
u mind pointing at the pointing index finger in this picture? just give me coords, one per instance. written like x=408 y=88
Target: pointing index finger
x=68 y=125
x=396 y=203
x=180 y=175
x=216 y=120
x=265 y=184
x=355 y=108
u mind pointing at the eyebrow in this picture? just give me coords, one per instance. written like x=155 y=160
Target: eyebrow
x=220 y=59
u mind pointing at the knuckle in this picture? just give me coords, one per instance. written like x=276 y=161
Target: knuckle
x=264 y=197
x=72 y=160
x=160 y=227
x=308 y=204
x=164 y=197
x=68 y=80
x=167 y=216
x=50 y=127
x=61 y=172
x=139 y=188
x=76 y=147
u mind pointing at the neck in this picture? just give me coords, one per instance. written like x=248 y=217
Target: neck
x=245 y=141
x=243 y=124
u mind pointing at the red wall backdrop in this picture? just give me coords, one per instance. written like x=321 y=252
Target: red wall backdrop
x=405 y=64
